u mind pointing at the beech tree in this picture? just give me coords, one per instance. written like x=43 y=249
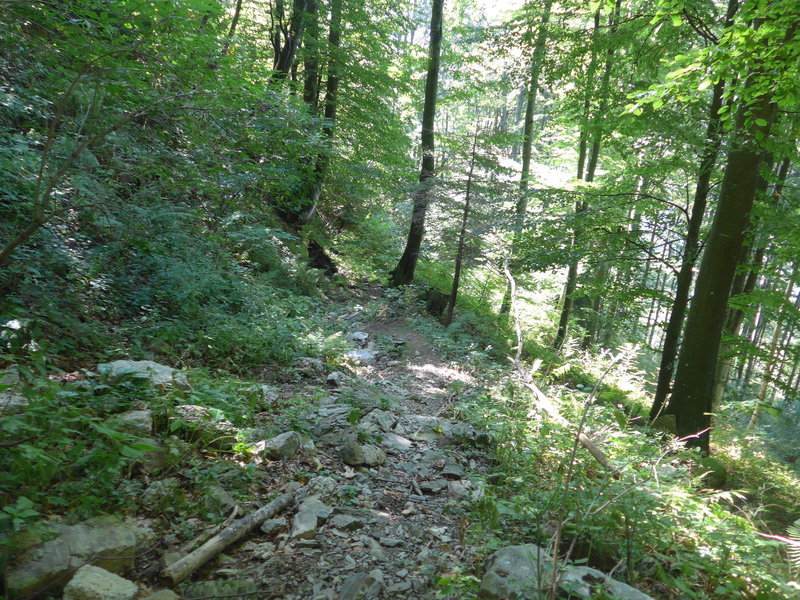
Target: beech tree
x=403 y=273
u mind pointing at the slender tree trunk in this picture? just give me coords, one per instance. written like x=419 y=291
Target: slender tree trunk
x=692 y=248
x=527 y=141
x=462 y=235
x=311 y=59
x=772 y=353
x=403 y=273
x=694 y=379
x=286 y=37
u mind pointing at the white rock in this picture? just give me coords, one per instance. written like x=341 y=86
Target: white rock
x=158 y=374
x=94 y=583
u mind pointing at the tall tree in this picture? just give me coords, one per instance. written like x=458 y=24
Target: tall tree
x=521 y=207
x=403 y=273
x=694 y=379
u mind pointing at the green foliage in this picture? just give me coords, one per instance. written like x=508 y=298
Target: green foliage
x=64 y=454
x=651 y=523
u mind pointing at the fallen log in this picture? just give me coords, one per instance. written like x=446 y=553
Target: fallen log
x=181 y=569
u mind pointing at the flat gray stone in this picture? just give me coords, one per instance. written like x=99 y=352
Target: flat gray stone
x=106 y=542
x=347 y=522
x=362 y=586
x=311 y=513
x=157 y=374
x=512 y=573
x=397 y=443
x=390 y=542
x=135 y=422
x=94 y=583
x=433 y=487
x=273 y=526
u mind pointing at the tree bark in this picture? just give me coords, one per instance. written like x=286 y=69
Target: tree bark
x=403 y=273
x=694 y=378
x=691 y=251
x=286 y=37
x=180 y=570
x=462 y=235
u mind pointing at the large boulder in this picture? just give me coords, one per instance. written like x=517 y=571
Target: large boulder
x=159 y=375
x=94 y=583
x=105 y=542
x=513 y=573
x=197 y=424
x=524 y=572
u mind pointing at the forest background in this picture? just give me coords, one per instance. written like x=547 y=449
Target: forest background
x=606 y=182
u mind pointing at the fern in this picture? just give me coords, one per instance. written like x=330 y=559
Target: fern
x=793 y=533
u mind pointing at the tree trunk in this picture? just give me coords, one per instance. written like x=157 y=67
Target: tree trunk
x=403 y=273
x=527 y=141
x=684 y=281
x=311 y=59
x=462 y=235
x=286 y=37
x=694 y=378
x=772 y=353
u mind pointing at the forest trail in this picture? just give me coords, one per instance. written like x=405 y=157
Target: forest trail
x=384 y=529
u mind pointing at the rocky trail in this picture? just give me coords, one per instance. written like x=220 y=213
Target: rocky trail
x=375 y=473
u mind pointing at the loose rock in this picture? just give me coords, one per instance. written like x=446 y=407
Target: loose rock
x=283 y=446
x=94 y=583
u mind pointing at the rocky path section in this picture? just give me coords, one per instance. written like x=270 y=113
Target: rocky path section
x=379 y=477
x=374 y=522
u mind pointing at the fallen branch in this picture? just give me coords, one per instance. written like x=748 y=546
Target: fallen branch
x=189 y=546
x=546 y=405
x=180 y=570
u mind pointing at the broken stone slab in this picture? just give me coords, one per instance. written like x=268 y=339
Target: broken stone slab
x=94 y=583
x=452 y=470
x=269 y=395
x=196 y=424
x=520 y=572
x=378 y=420
x=311 y=513
x=273 y=526
x=321 y=486
x=390 y=542
x=105 y=542
x=362 y=586
x=283 y=446
x=396 y=443
x=583 y=582
x=310 y=367
x=433 y=487
x=358 y=337
x=157 y=374
x=362 y=357
x=12 y=402
x=336 y=379
x=347 y=522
